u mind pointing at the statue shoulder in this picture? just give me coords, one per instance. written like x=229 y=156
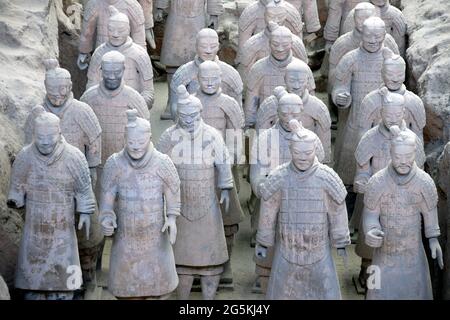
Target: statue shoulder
x=87 y=120
x=416 y=108
x=248 y=16
x=231 y=76
x=366 y=146
x=167 y=171
x=256 y=73
x=184 y=74
x=267 y=113
x=135 y=11
x=375 y=188
x=332 y=182
x=275 y=181
x=319 y=111
x=427 y=189
x=90 y=9
x=165 y=141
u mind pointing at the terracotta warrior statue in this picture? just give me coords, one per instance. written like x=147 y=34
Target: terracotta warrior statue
x=94 y=29
x=303 y=266
x=315 y=115
x=373 y=155
x=394 y=19
x=269 y=150
x=138 y=67
x=352 y=40
x=357 y=74
x=338 y=11
x=147 y=8
x=258 y=46
x=137 y=183
x=180 y=43
x=269 y=73
x=396 y=200
x=80 y=127
x=50 y=178
x=110 y=99
x=203 y=163
x=223 y=113
x=207 y=46
x=252 y=21
x=310 y=14
x=394 y=73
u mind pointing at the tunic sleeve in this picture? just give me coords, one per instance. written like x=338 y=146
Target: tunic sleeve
x=311 y=16
x=214 y=7
x=137 y=24
x=147 y=8
x=259 y=170
x=223 y=164
x=343 y=78
x=19 y=173
x=338 y=223
x=252 y=97
x=428 y=207
x=108 y=189
x=169 y=175
x=268 y=220
x=333 y=25
x=84 y=195
x=88 y=28
x=137 y=102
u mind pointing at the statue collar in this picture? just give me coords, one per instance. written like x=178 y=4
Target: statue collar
x=56 y=154
x=122 y=47
x=198 y=61
x=144 y=161
x=386 y=132
x=400 y=179
x=304 y=174
x=195 y=134
x=281 y=64
x=283 y=132
x=216 y=95
x=59 y=111
x=111 y=93
x=401 y=91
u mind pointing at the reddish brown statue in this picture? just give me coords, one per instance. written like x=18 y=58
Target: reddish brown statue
x=94 y=30
x=50 y=178
x=269 y=73
x=207 y=46
x=394 y=73
x=137 y=184
x=373 y=155
x=138 y=67
x=397 y=199
x=110 y=99
x=394 y=19
x=315 y=115
x=303 y=215
x=203 y=163
x=80 y=128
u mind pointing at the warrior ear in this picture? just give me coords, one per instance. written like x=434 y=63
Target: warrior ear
x=51 y=64
x=273 y=26
x=182 y=92
x=132 y=115
x=395 y=130
x=295 y=125
x=279 y=92
x=113 y=11
x=37 y=110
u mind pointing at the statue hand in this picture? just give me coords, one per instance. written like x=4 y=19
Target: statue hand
x=159 y=15
x=374 y=238
x=85 y=219
x=343 y=99
x=108 y=226
x=150 y=37
x=343 y=253
x=82 y=61
x=328 y=45
x=260 y=251
x=360 y=186
x=225 y=198
x=436 y=251
x=171 y=226
x=213 y=22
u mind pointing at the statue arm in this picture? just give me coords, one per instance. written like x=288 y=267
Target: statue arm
x=362 y=176
x=428 y=208
x=88 y=29
x=147 y=8
x=94 y=74
x=17 y=185
x=137 y=25
x=214 y=7
x=323 y=131
x=223 y=162
x=258 y=171
x=108 y=191
x=311 y=16
x=333 y=25
x=338 y=223
x=140 y=105
x=172 y=199
x=343 y=81
x=84 y=195
x=268 y=220
x=148 y=92
x=94 y=152
x=251 y=105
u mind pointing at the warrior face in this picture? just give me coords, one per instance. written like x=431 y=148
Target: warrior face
x=303 y=154
x=394 y=76
x=209 y=76
x=281 y=43
x=46 y=136
x=118 y=32
x=296 y=82
x=287 y=112
x=207 y=44
x=403 y=157
x=374 y=33
x=112 y=73
x=362 y=15
x=392 y=115
x=137 y=143
x=189 y=119
x=58 y=91
x=379 y=3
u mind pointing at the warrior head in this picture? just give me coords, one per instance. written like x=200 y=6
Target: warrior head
x=47 y=130
x=207 y=44
x=394 y=71
x=380 y=3
x=373 y=35
x=138 y=135
x=363 y=11
x=403 y=150
x=280 y=42
x=113 y=67
x=58 y=83
x=210 y=77
x=189 y=110
x=275 y=11
x=393 y=109
x=290 y=106
x=297 y=77
x=118 y=27
x=303 y=144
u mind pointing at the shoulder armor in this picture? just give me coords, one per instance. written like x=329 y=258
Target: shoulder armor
x=293 y=19
x=140 y=55
x=390 y=43
x=428 y=190
x=333 y=183
x=87 y=120
x=274 y=181
x=231 y=77
x=247 y=18
x=345 y=65
x=366 y=146
x=183 y=75
x=375 y=188
x=136 y=101
x=421 y=157
x=398 y=20
x=110 y=169
x=165 y=141
x=256 y=73
x=233 y=111
x=96 y=60
x=135 y=11
x=319 y=111
x=77 y=164
x=370 y=109
x=89 y=95
x=339 y=48
x=267 y=113
x=167 y=172
x=414 y=105
x=349 y=23
x=298 y=49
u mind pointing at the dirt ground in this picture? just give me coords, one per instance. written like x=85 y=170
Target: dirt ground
x=242 y=258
